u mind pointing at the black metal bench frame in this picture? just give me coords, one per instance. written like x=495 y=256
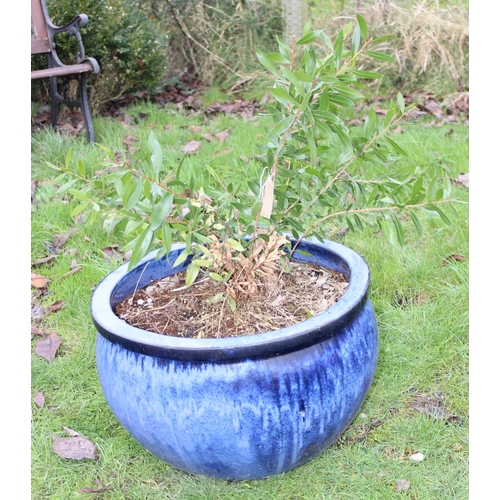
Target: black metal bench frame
x=43 y=33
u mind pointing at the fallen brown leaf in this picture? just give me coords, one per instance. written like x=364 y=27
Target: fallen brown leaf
x=223 y=152
x=222 y=136
x=451 y=258
x=36 y=312
x=56 y=306
x=70 y=432
x=45 y=260
x=113 y=253
x=76 y=447
x=59 y=240
x=462 y=180
x=129 y=140
x=51 y=248
x=341 y=232
x=209 y=137
x=72 y=271
x=39 y=281
x=47 y=347
x=39 y=399
x=191 y=147
x=71 y=251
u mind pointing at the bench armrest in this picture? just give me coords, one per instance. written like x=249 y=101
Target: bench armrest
x=73 y=28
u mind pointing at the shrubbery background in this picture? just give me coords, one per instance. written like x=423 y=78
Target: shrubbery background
x=150 y=45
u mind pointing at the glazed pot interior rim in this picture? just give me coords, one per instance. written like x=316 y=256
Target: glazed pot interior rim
x=115 y=329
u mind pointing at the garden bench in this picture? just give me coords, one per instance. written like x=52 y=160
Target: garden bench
x=43 y=33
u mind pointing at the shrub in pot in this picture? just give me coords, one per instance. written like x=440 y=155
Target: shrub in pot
x=245 y=407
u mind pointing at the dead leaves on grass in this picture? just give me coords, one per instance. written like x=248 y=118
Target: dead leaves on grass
x=39 y=281
x=191 y=147
x=75 y=447
x=47 y=347
x=462 y=180
x=433 y=405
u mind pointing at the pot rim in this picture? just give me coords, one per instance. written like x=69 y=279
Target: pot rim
x=265 y=344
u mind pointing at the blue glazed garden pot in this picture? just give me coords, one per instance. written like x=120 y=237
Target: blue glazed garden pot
x=242 y=407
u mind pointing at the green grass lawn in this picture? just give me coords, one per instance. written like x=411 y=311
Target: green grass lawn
x=418 y=402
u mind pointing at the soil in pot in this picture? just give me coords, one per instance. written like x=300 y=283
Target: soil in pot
x=168 y=307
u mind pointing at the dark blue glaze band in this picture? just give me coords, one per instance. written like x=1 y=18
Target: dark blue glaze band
x=121 y=283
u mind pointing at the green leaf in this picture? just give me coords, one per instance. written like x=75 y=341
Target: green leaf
x=68 y=157
x=180 y=258
x=278 y=58
x=442 y=214
x=416 y=223
x=199 y=238
x=160 y=211
x=369 y=75
x=191 y=273
x=293 y=79
x=356 y=39
x=216 y=276
x=362 y=26
x=264 y=60
x=358 y=221
x=380 y=56
x=141 y=247
x=304 y=252
x=382 y=38
x=81 y=168
x=132 y=192
x=236 y=245
x=284 y=97
x=370 y=128
x=341 y=100
x=417 y=187
x=167 y=236
x=156 y=154
x=328 y=116
x=348 y=92
x=303 y=77
x=282 y=126
x=294 y=224
x=79 y=209
x=401 y=102
x=389 y=232
x=79 y=194
x=202 y=262
x=309 y=37
x=337 y=47
x=396 y=147
x=326 y=40
x=400 y=233
x=324 y=101
x=256 y=208
x=232 y=303
x=284 y=48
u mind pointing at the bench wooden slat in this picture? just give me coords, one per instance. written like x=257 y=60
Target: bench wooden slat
x=40 y=43
x=40 y=46
x=61 y=71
